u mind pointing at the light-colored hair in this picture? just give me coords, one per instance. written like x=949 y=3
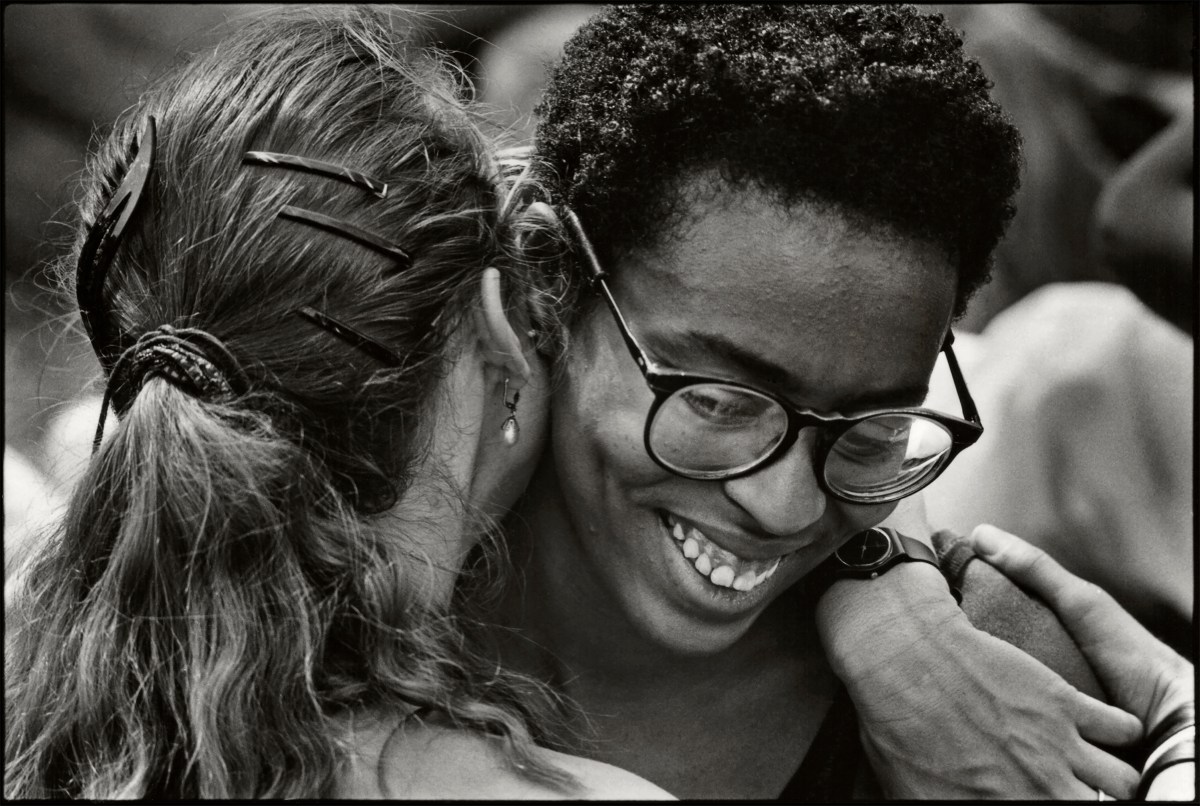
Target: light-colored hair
x=220 y=590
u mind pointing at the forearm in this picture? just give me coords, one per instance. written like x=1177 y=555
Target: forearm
x=869 y=622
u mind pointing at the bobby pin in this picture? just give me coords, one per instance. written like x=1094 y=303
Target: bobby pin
x=351 y=336
x=339 y=227
x=321 y=167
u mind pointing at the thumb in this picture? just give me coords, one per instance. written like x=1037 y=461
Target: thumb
x=1080 y=604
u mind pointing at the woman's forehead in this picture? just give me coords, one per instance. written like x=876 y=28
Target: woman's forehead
x=831 y=301
x=742 y=252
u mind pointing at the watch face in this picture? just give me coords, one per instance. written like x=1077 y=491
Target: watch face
x=866 y=549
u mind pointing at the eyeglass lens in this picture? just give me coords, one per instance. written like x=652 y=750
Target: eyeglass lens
x=713 y=431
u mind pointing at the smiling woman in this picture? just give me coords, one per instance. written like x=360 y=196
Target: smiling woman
x=752 y=292
x=770 y=216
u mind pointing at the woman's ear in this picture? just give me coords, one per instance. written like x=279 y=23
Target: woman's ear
x=502 y=347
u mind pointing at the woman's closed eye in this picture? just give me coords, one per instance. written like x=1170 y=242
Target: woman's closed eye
x=724 y=406
x=871 y=441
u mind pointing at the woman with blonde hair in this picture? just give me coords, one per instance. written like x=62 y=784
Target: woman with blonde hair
x=297 y=268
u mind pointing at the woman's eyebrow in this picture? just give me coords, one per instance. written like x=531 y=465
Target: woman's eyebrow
x=680 y=344
x=676 y=346
x=906 y=396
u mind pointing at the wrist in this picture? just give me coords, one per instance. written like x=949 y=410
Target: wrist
x=1175 y=713
x=852 y=584
x=1174 y=725
x=911 y=603
x=903 y=585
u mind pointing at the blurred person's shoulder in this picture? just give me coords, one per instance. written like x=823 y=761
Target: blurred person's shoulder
x=30 y=507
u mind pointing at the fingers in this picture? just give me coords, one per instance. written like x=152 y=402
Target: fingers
x=1100 y=723
x=1089 y=613
x=1022 y=562
x=1070 y=597
x=1100 y=770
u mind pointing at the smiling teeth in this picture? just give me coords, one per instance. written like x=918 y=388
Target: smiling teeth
x=722 y=568
x=722 y=576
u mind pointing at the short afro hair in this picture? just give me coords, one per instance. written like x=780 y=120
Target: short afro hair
x=872 y=109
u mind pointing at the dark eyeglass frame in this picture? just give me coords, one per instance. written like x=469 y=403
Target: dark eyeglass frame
x=666 y=382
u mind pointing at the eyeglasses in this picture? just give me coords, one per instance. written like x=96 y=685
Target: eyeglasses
x=710 y=428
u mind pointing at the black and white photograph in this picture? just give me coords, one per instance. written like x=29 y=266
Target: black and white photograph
x=690 y=401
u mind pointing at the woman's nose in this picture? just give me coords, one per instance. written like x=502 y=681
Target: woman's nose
x=784 y=496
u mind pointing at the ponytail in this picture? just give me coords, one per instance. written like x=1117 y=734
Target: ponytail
x=208 y=608
x=170 y=613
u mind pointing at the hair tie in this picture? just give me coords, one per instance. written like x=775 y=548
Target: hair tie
x=189 y=358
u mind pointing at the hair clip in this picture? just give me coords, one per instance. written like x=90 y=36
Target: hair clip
x=104 y=237
x=320 y=167
x=328 y=223
x=339 y=227
x=340 y=330
x=351 y=336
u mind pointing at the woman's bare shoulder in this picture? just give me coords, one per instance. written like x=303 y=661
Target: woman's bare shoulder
x=416 y=760
x=604 y=781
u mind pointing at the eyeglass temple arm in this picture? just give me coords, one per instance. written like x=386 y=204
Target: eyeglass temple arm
x=970 y=413
x=598 y=282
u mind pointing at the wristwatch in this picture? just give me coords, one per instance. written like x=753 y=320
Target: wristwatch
x=869 y=553
x=872 y=552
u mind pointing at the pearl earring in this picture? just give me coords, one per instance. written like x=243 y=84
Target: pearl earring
x=510 y=428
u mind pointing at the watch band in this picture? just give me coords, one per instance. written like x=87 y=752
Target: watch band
x=870 y=553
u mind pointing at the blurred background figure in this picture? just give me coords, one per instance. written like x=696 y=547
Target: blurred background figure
x=1144 y=222
x=29 y=505
x=35 y=494
x=514 y=59
x=1103 y=96
x=1084 y=387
